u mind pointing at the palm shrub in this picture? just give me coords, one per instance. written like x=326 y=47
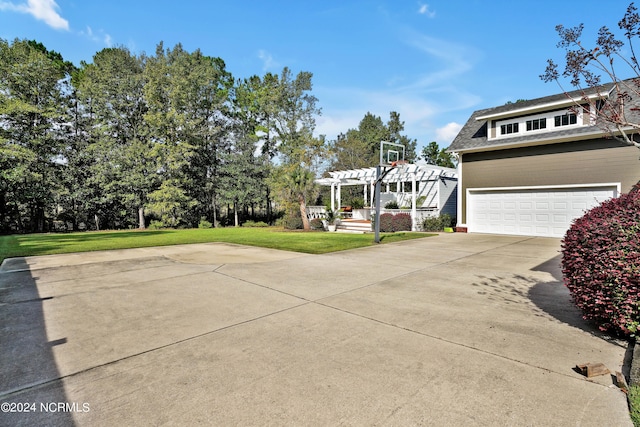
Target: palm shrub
x=601 y=264
x=332 y=216
x=401 y=222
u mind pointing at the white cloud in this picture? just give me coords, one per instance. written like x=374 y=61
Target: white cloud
x=344 y=108
x=424 y=10
x=429 y=113
x=427 y=102
x=101 y=37
x=452 y=59
x=336 y=122
x=42 y=10
x=447 y=133
x=430 y=98
x=268 y=63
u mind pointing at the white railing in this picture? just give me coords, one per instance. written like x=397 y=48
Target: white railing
x=314 y=212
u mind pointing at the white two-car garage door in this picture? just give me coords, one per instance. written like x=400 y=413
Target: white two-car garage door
x=532 y=212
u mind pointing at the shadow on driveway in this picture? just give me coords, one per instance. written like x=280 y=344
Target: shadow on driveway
x=27 y=361
x=554 y=299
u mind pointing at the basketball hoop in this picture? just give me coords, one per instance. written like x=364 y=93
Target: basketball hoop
x=391 y=157
x=391 y=153
x=398 y=163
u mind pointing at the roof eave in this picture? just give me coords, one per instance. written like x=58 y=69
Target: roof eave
x=508 y=145
x=568 y=101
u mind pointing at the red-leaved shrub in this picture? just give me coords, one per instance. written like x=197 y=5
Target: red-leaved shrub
x=401 y=222
x=386 y=222
x=601 y=264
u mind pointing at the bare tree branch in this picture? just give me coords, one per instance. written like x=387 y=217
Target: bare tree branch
x=616 y=107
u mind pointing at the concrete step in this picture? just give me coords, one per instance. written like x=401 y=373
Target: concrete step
x=354 y=225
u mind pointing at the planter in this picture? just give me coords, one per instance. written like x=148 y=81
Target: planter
x=331 y=227
x=448 y=229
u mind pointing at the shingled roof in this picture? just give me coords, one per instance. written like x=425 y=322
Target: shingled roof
x=473 y=135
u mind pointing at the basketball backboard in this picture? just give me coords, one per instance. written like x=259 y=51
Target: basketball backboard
x=391 y=153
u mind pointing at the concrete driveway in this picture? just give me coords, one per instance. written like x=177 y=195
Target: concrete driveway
x=458 y=329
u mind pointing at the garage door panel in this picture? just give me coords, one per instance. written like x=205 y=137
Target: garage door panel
x=525 y=218
x=534 y=212
x=559 y=218
x=579 y=206
x=542 y=231
x=542 y=218
x=523 y=229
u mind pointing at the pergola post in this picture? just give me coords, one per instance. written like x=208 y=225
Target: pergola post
x=333 y=197
x=414 y=220
x=378 y=184
x=339 y=195
x=373 y=190
x=364 y=191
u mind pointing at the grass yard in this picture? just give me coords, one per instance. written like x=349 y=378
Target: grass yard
x=310 y=242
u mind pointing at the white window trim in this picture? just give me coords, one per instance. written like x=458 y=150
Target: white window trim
x=551 y=127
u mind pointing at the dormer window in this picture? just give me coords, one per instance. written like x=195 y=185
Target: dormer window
x=509 y=128
x=565 y=119
x=536 y=124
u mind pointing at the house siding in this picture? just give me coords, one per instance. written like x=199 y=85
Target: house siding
x=584 y=162
x=448 y=194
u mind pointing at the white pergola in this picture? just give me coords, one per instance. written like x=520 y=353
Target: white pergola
x=423 y=175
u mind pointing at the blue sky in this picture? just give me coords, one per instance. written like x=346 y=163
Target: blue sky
x=434 y=62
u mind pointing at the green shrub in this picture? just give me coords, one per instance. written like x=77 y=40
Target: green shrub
x=357 y=203
x=156 y=225
x=634 y=404
x=252 y=223
x=292 y=222
x=401 y=222
x=438 y=223
x=600 y=260
x=391 y=205
x=204 y=224
x=316 y=224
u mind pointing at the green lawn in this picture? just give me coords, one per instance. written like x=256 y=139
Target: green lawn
x=277 y=238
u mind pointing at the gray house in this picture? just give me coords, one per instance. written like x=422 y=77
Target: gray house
x=531 y=167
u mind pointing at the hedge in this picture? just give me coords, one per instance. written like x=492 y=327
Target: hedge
x=601 y=264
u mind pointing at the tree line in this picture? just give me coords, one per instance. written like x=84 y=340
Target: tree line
x=169 y=140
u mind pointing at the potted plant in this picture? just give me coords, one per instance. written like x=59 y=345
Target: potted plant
x=331 y=217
